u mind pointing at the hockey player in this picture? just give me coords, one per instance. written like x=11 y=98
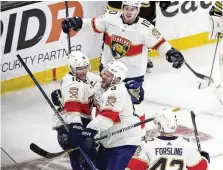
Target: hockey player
x=115 y=112
x=168 y=151
x=127 y=39
x=216 y=27
x=76 y=92
x=147 y=11
x=216 y=20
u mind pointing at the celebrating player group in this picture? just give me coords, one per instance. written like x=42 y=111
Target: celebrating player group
x=116 y=96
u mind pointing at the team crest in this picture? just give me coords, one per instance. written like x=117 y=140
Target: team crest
x=111 y=101
x=74 y=92
x=119 y=46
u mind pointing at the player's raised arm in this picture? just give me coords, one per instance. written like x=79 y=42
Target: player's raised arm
x=156 y=41
x=76 y=23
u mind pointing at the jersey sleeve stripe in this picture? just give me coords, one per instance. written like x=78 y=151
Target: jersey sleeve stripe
x=135 y=164
x=114 y=116
x=203 y=164
x=159 y=44
x=76 y=106
x=94 y=26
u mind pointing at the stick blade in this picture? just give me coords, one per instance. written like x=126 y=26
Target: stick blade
x=46 y=154
x=36 y=149
x=42 y=152
x=208 y=78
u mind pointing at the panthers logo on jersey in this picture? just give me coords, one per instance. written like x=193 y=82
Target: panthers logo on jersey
x=119 y=46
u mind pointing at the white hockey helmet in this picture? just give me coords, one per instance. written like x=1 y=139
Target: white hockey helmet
x=132 y=3
x=77 y=59
x=166 y=121
x=117 y=69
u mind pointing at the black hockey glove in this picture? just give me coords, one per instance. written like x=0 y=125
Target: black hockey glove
x=55 y=97
x=88 y=139
x=164 y=5
x=65 y=26
x=175 y=57
x=74 y=23
x=206 y=155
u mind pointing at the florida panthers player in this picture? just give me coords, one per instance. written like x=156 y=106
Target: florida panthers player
x=168 y=151
x=115 y=112
x=77 y=100
x=127 y=39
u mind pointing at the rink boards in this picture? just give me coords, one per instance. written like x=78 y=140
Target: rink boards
x=35 y=33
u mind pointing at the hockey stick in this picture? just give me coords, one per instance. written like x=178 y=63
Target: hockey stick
x=201 y=76
x=43 y=93
x=87 y=159
x=49 y=155
x=68 y=34
x=205 y=85
x=197 y=136
x=124 y=129
x=45 y=154
x=195 y=131
x=216 y=47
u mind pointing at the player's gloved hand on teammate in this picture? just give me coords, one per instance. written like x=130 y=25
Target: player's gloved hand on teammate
x=88 y=143
x=74 y=23
x=55 y=96
x=164 y=5
x=175 y=57
x=206 y=155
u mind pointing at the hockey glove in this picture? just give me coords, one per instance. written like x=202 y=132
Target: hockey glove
x=164 y=5
x=65 y=26
x=72 y=138
x=206 y=155
x=175 y=57
x=215 y=24
x=74 y=23
x=135 y=89
x=88 y=139
x=55 y=97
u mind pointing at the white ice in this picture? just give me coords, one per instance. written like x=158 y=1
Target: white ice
x=26 y=116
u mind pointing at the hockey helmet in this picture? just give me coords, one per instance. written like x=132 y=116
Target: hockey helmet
x=77 y=59
x=117 y=69
x=166 y=121
x=132 y=3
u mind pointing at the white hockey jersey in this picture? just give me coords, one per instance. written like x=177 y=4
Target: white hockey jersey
x=175 y=153
x=77 y=98
x=127 y=43
x=115 y=112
